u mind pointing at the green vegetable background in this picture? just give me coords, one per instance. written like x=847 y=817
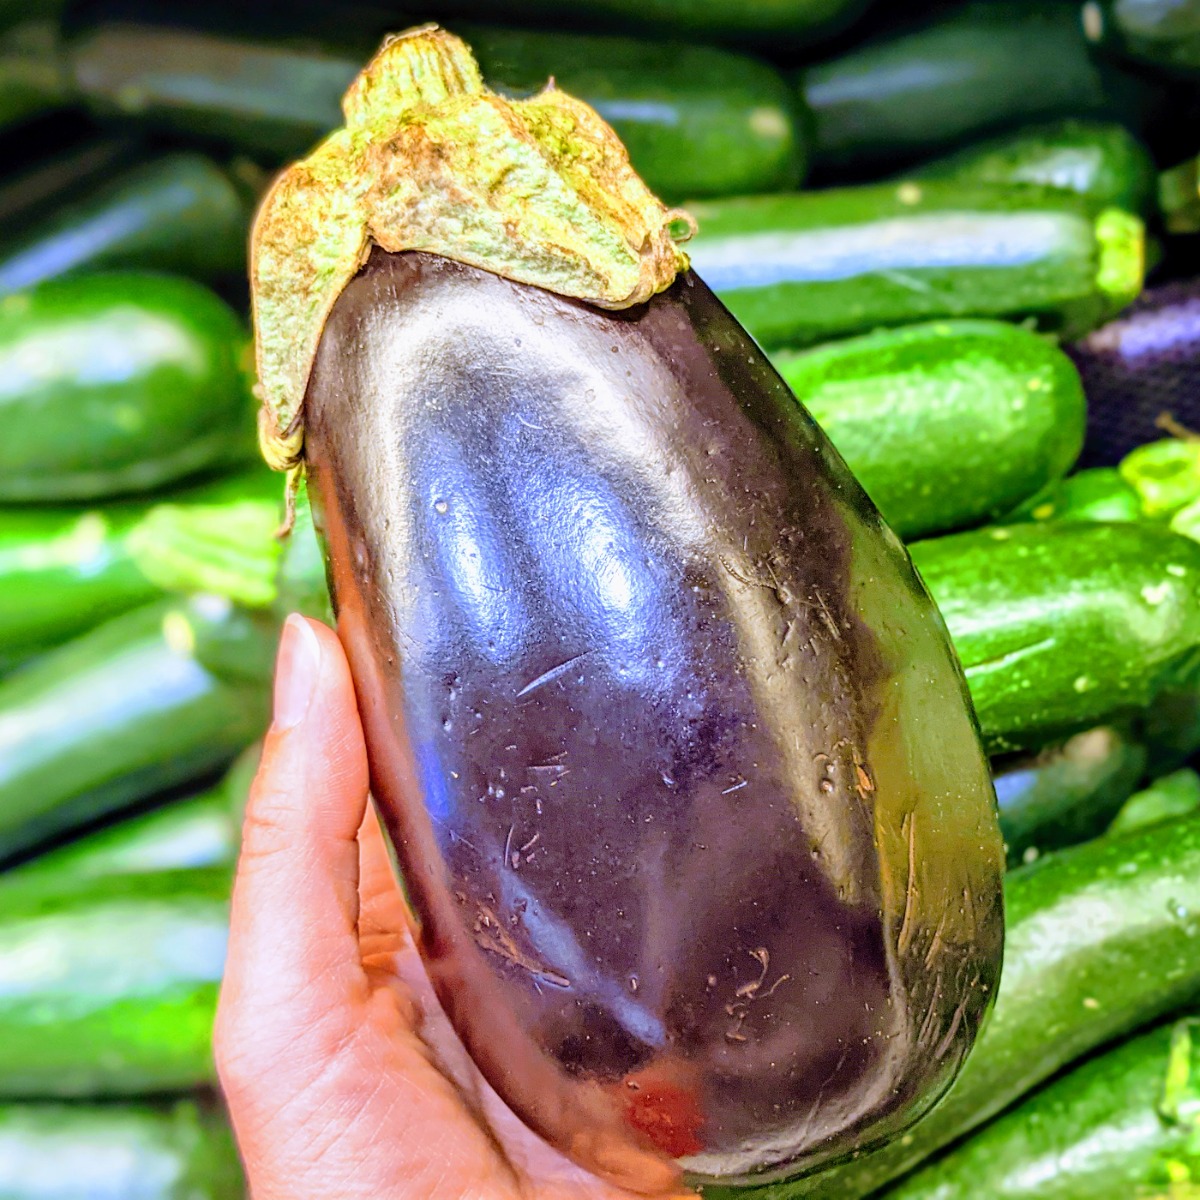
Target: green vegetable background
x=935 y=217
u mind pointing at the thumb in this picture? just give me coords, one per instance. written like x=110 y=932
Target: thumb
x=293 y=962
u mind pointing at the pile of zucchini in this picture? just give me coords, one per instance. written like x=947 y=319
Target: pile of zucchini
x=933 y=223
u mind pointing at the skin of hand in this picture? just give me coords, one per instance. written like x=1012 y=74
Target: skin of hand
x=343 y=1078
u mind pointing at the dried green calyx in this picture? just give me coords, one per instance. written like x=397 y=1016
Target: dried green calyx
x=539 y=191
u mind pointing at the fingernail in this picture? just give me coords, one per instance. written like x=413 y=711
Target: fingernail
x=295 y=671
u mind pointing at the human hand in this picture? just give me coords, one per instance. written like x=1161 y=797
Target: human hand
x=343 y=1077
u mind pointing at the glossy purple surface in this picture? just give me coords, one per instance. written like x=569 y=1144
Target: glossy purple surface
x=667 y=734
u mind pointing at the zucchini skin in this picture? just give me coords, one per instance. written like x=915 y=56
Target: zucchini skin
x=810 y=267
x=577 y=529
x=173 y=397
x=1067 y=793
x=697 y=120
x=1097 y=1133
x=1093 y=494
x=790 y=21
x=86 y=565
x=953 y=78
x=108 y=987
x=1159 y=33
x=193 y=833
x=179 y=212
x=1064 y=625
x=149 y=700
x=946 y=424
x=1096 y=922
x=33 y=75
x=1165 y=798
x=117 y=1152
x=49 y=179
x=1103 y=162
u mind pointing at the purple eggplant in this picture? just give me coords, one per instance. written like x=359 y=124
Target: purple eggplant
x=678 y=763
x=1141 y=373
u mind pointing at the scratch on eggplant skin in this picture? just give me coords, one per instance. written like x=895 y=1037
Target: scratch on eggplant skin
x=490 y=935
x=551 y=675
x=904 y=940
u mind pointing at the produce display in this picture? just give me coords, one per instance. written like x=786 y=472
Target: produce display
x=884 y=338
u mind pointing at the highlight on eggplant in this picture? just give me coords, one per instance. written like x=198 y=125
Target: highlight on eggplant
x=676 y=757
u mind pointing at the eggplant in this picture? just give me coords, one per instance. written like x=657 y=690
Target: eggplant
x=677 y=760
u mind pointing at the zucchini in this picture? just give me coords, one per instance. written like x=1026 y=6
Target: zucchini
x=1165 y=475
x=149 y=700
x=179 y=212
x=951 y=78
x=1160 y=33
x=1096 y=159
x=85 y=565
x=300 y=581
x=769 y=21
x=945 y=424
x=697 y=120
x=1063 y=625
x=33 y=74
x=1168 y=797
x=1068 y=792
x=192 y=833
x=1120 y=1126
x=119 y=383
x=49 y=179
x=108 y=987
x=1099 y=940
x=1094 y=494
x=1179 y=197
x=804 y=268
x=117 y=1152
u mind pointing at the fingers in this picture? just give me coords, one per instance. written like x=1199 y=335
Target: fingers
x=293 y=948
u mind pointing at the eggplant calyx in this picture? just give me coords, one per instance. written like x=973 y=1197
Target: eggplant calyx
x=539 y=191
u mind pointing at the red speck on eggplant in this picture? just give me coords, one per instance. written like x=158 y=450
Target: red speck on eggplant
x=669 y=738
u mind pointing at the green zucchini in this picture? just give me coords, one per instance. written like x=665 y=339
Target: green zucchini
x=1068 y=792
x=1099 y=160
x=1160 y=33
x=954 y=77
x=697 y=120
x=119 y=383
x=179 y=212
x=33 y=73
x=300 y=580
x=1099 y=940
x=150 y=700
x=1094 y=494
x=108 y=987
x=85 y=565
x=1122 y=1126
x=61 y=174
x=117 y=1152
x=803 y=268
x=945 y=424
x=1168 y=797
x=1064 y=625
x=188 y=834
x=1179 y=197
x=789 y=21
x=1165 y=475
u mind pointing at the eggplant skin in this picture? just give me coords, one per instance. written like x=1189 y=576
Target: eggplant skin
x=677 y=760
